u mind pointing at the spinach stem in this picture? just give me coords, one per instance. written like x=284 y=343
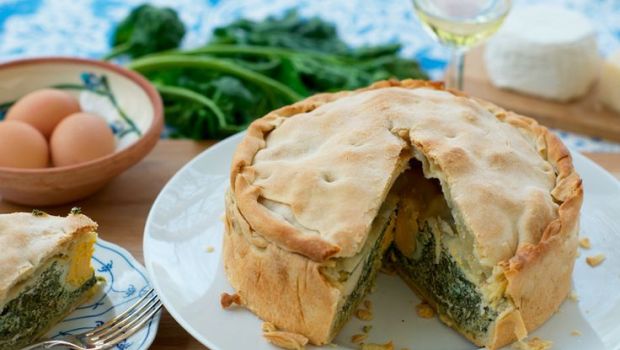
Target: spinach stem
x=190 y=95
x=165 y=61
x=224 y=49
x=117 y=51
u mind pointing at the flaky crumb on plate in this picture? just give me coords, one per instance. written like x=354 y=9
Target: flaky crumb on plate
x=227 y=300
x=424 y=310
x=372 y=346
x=584 y=242
x=533 y=344
x=595 y=260
x=573 y=296
x=286 y=340
x=363 y=314
x=359 y=338
x=268 y=327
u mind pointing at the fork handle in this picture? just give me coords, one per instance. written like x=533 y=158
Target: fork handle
x=48 y=344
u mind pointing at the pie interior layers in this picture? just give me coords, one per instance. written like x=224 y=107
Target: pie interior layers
x=477 y=208
x=45 y=271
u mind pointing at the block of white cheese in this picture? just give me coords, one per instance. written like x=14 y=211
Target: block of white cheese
x=544 y=50
x=609 y=84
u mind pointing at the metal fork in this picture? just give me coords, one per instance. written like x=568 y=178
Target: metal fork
x=112 y=332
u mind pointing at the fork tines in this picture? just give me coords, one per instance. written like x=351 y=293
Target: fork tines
x=127 y=323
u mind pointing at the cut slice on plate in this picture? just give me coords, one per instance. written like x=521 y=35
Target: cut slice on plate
x=45 y=272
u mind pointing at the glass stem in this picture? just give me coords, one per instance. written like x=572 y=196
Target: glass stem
x=458 y=65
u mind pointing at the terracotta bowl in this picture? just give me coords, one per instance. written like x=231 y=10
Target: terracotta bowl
x=131 y=106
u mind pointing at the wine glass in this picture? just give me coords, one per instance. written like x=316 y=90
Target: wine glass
x=459 y=25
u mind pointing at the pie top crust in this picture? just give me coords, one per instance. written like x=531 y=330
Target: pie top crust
x=312 y=176
x=27 y=240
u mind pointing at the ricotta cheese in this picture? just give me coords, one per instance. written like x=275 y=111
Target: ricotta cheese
x=546 y=51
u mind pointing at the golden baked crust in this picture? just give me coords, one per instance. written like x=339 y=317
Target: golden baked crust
x=28 y=239
x=539 y=274
x=308 y=179
x=282 y=287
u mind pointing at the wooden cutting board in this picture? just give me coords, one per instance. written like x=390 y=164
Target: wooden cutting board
x=584 y=115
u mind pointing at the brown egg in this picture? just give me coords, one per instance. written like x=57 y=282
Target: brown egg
x=44 y=109
x=79 y=138
x=22 y=146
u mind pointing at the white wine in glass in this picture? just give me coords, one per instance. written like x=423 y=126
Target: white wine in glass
x=461 y=24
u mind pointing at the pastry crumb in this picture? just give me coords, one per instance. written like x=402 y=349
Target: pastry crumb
x=226 y=300
x=424 y=310
x=573 y=296
x=359 y=338
x=533 y=344
x=366 y=329
x=268 y=327
x=286 y=340
x=575 y=333
x=368 y=304
x=372 y=346
x=595 y=260
x=584 y=242
x=363 y=314
x=209 y=249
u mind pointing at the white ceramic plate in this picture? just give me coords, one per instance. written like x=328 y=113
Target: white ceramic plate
x=126 y=282
x=186 y=219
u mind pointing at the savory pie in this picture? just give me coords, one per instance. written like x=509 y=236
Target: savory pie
x=476 y=207
x=45 y=272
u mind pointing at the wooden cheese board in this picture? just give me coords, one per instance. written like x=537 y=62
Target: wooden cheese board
x=584 y=115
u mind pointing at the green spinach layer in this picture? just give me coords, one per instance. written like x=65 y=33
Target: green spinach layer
x=455 y=295
x=25 y=317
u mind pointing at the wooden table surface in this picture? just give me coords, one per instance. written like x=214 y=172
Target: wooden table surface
x=584 y=115
x=121 y=209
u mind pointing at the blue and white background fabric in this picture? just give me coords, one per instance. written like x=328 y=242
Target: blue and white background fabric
x=84 y=27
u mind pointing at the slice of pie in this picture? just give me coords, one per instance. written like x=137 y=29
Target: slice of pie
x=45 y=272
x=475 y=206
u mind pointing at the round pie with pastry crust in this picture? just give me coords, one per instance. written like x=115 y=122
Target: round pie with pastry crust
x=477 y=208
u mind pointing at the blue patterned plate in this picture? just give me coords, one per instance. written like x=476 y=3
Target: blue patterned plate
x=126 y=281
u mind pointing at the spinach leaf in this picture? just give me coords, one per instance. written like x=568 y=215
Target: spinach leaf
x=248 y=68
x=147 y=29
x=291 y=31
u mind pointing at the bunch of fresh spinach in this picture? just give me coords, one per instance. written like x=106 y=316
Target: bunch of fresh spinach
x=250 y=68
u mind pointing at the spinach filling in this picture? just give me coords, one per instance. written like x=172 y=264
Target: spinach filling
x=453 y=293
x=372 y=264
x=31 y=313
